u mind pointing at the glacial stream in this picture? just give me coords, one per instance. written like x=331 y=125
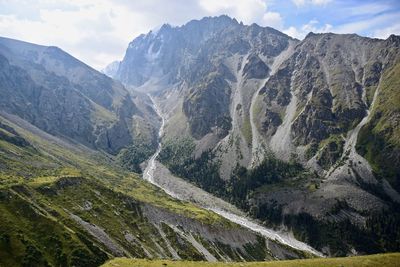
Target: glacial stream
x=218 y=206
x=148 y=173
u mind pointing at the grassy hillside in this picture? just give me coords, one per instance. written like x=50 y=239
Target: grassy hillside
x=379 y=140
x=382 y=260
x=64 y=205
x=43 y=159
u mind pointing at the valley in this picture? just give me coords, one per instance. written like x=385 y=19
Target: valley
x=220 y=207
x=215 y=143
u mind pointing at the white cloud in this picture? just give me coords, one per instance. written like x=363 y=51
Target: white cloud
x=273 y=19
x=300 y=3
x=380 y=26
x=387 y=31
x=243 y=10
x=320 y=2
x=311 y=26
x=376 y=22
x=366 y=9
x=89 y=32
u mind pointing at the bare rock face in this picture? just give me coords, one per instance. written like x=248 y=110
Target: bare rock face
x=206 y=62
x=207 y=106
x=333 y=83
x=332 y=80
x=44 y=107
x=255 y=68
x=162 y=52
x=111 y=69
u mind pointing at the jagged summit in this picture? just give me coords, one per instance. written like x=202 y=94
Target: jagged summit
x=394 y=39
x=161 y=53
x=111 y=69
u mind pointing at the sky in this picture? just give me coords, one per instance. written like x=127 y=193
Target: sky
x=98 y=31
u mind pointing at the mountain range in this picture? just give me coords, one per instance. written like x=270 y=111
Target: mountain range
x=258 y=146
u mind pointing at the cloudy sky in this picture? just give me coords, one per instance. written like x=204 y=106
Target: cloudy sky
x=98 y=31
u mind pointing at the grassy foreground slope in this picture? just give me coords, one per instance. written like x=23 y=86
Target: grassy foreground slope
x=387 y=260
x=62 y=204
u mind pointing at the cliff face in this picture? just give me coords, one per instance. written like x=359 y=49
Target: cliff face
x=328 y=95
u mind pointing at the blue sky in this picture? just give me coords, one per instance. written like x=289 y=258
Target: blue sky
x=98 y=31
x=366 y=18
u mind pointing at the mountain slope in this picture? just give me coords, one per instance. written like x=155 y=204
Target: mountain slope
x=293 y=132
x=378 y=140
x=226 y=62
x=65 y=97
x=64 y=204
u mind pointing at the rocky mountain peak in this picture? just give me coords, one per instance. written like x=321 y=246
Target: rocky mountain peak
x=111 y=69
x=394 y=39
x=160 y=52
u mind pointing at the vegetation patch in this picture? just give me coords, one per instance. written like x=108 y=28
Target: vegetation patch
x=270 y=172
x=203 y=171
x=132 y=156
x=331 y=149
x=379 y=140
